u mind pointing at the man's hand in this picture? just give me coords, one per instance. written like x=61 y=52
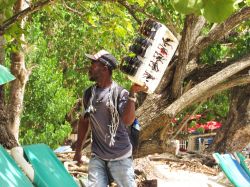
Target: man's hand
x=128 y=115
x=77 y=157
x=135 y=88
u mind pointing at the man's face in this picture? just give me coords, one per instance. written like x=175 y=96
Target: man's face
x=96 y=71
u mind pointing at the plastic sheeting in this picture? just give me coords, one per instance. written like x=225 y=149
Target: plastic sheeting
x=10 y=174
x=5 y=75
x=233 y=170
x=49 y=171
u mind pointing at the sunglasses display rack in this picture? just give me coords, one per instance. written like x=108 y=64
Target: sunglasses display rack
x=153 y=52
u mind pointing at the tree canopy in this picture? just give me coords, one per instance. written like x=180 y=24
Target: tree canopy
x=212 y=57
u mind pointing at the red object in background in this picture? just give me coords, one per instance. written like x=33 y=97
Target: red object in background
x=191 y=129
x=174 y=120
x=210 y=125
x=197 y=116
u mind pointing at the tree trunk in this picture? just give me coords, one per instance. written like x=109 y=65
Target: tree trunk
x=18 y=86
x=2 y=56
x=7 y=140
x=235 y=133
x=157 y=111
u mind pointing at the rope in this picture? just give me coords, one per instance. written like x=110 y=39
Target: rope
x=114 y=114
x=112 y=104
x=91 y=110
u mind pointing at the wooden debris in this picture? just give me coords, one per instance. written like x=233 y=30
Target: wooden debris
x=146 y=174
x=72 y=167
x=148 y=183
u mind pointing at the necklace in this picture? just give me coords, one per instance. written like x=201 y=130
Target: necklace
x=102 y=94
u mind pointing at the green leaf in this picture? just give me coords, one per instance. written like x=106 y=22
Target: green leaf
x=218 y=10
x=120 y=31
x=192 y=124
x=187 y=6
x=141 y=2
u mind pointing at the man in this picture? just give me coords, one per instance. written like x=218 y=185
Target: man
x=108 y=109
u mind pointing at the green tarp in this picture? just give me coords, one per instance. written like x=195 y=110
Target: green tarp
x=10 y=174
x=242 y=162
x=5 y=75
x=49 y=171
x=232 y=169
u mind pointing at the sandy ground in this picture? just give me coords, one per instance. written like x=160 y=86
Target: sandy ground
x=169 y=177
x=181 y=178
x=168 y=171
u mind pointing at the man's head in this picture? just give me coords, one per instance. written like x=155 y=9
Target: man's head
x=101 y=63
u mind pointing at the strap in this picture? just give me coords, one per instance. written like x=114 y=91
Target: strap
x=120 y=89
x=86 y=97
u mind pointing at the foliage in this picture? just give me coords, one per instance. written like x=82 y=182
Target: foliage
x=59 y=36
x=56 y=47
x=50 y=135
x=236 y=45
x=218 y=10
x=215 y=52
x=14 y=31
x=212 y=10
x=46 y=100
x=6 y=9
x=187 y=6
x=86 y=34
x=241 y=44
x=213 y=110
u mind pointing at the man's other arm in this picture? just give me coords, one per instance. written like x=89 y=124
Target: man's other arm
x=82 y=133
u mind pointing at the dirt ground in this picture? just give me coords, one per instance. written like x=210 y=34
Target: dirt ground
x=162 y=170
x=168 y=171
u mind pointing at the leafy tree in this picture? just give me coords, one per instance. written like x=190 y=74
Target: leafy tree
x=71 y=29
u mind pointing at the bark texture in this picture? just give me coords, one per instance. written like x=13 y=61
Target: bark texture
x=235 y=133
x=17 y=89
x=7 y=140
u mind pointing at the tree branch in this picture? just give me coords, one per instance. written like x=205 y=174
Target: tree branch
x=199 y=93
x=20 y=15
x=202 y=88
x=81 y=14
x=77 y=12
x=188 y=36
x=230 y=83
x=130 y=10
x=219 y=31
x=171 y=25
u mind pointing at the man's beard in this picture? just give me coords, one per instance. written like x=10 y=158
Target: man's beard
x=92 y=78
